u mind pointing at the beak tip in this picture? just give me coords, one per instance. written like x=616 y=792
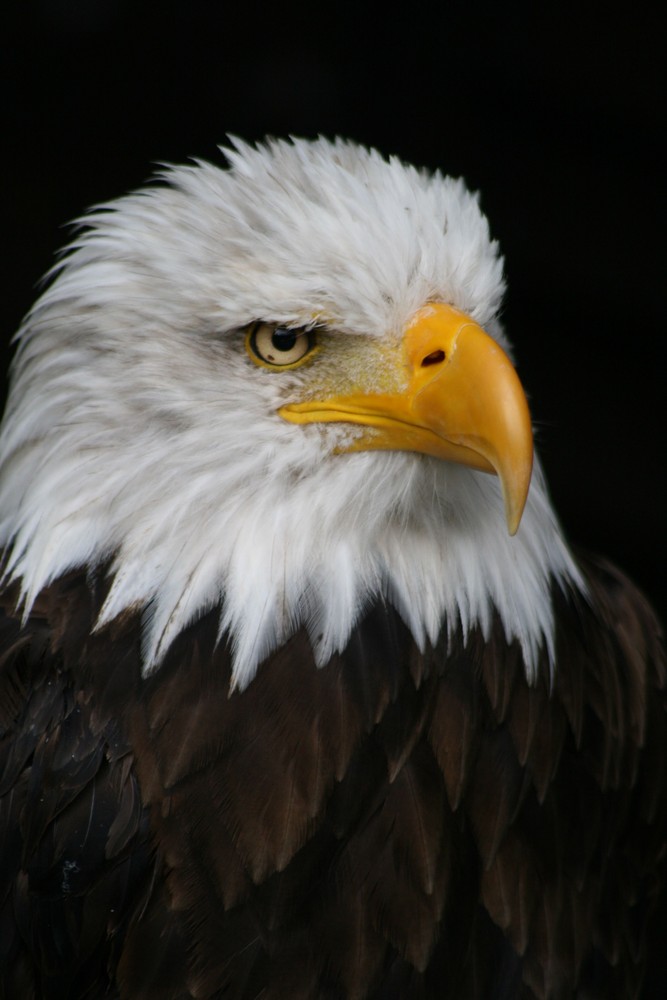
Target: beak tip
x=513 y=517
x=515 y=497
x=513 y=525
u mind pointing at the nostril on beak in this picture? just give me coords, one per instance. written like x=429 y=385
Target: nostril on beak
x=434 y=358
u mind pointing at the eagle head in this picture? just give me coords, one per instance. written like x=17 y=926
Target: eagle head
x=281 y=388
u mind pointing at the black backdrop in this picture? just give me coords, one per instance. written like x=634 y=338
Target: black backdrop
x=554 y=112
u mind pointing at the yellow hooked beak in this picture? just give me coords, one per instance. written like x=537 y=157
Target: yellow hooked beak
x=463 y=402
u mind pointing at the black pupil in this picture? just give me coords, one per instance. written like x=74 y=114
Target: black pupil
x=284 y=340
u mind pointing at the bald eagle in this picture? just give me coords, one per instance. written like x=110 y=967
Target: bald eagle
x=302 y=692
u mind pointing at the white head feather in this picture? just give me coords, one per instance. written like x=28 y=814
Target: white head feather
x=138 y=430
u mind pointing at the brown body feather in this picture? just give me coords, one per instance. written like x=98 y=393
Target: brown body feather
x=394 y=825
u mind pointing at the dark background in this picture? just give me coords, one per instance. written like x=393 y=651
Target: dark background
x=554 y=112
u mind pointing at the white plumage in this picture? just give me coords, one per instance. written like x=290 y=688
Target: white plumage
x=138 y=429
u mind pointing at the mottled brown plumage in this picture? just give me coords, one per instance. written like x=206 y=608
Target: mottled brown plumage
x=391 y=825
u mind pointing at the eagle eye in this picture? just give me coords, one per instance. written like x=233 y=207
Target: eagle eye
x=279 y=346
